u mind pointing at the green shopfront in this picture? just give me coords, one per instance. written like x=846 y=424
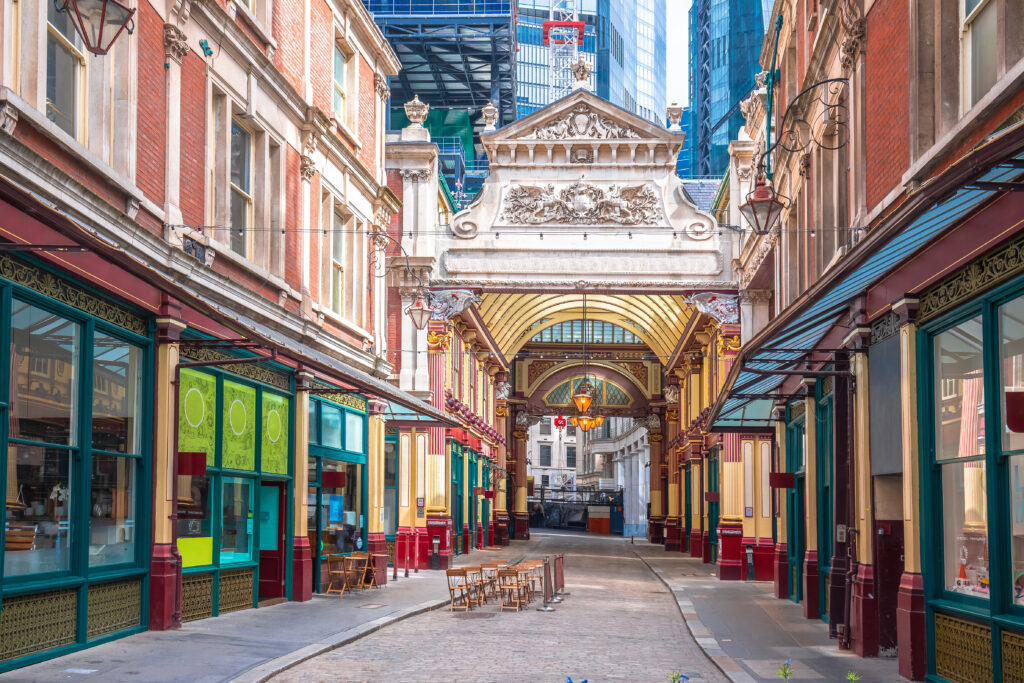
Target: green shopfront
x=234 y=499
x=338 y=480
x=76 y=403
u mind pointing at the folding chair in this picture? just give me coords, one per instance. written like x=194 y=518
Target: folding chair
x=510 y=589
x=458 y=590
x=338 y=574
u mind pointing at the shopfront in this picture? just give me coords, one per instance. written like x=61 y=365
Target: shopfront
x=234 y=487
x=338 y=480
x=972 y=417
x=75 y=413
x=390 y=513
x=458 y=499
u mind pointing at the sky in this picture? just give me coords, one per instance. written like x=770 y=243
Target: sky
x=677 y=38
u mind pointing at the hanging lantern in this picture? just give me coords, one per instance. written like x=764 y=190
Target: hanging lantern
x=763 y=207
x=574 y=421
x=98 y=22
x=419 y=312
x=583 y=396
x=586 y=422
x=598 y=420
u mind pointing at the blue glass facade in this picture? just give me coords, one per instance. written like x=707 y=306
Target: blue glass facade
x=685 y=158
x=624 y=40
x=725 y=46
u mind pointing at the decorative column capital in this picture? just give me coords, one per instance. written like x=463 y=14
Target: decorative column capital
x=175 y=43
x=307 y=168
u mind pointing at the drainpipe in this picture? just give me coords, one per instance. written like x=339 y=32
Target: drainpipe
x=176 y=383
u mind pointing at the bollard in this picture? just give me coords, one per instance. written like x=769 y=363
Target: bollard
x=406 y=563
x=416 y=556
x=547 y=589
x=560 y=576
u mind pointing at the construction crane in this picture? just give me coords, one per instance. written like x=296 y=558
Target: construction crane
x=563 y=35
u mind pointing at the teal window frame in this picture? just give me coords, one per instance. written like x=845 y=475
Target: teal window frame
x=997 y=611
x=80 y=575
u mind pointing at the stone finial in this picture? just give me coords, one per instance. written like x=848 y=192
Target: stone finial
x=416 y=111
x=675 y=115
x=581 y=70
x=490 y=114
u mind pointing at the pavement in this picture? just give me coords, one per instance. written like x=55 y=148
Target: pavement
x=749 y=633
x=252 y=644
x=619 y=623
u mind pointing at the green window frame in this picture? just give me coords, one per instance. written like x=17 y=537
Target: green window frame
x=979 y=446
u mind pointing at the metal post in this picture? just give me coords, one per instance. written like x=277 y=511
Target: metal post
x=406 y=555
x=547 y=589
x=560 y=576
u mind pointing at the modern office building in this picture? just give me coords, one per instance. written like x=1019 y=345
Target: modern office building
x=725 y=46
x=685 y=159
x=624 y=40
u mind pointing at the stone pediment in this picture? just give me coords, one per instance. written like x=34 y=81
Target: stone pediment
x=581 y=116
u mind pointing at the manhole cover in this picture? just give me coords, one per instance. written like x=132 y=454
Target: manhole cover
x=372 y=605
x=476 y=615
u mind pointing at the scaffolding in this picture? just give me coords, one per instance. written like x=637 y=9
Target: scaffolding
x=563 y=34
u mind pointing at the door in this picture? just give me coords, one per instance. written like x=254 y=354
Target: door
x=272 y=541
x=795 y=434
x=713 y=506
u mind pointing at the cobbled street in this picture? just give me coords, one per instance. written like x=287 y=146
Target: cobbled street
x=620 y=623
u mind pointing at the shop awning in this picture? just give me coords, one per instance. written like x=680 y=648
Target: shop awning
x=319 y=363
x=937 y=206
x=405 y=417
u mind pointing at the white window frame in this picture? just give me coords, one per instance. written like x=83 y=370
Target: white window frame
x=337 y=293
x=340 y=88
x=235 y=189
x=81 y=81
x=967 y=100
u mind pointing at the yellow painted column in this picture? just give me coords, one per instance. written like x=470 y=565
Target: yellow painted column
x=911 y=479
x=811 y=479
x=300 y=465
x=375 y=471
x=163 y=460
x=406 y=481
x=862 y=455
x=780 y=440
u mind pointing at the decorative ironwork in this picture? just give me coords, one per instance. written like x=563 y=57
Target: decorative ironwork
x=235 y=591
x=798 y=410
x=983 y=273
x=341 y=397
x=886 y=326
x=582 y=204
x=37 y=623
x=963 y=650
x=1013 y=657
x=113 y=607
x=196 y=596
x=46 y=283
x=827 y=127
x=390 y=545
x=582 y=122
x=252 y=371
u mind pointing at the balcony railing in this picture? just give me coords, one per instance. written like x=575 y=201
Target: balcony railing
x=439 y=7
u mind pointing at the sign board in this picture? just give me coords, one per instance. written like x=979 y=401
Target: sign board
x=711 y=496
x=781 y=480
x=419 y=502
x=192 y=463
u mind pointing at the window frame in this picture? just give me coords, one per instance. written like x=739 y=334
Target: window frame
x=966 y=25
x=340 y=88
x=337 y=281
x=998 y=607
x=81 y=82
x=247 y=195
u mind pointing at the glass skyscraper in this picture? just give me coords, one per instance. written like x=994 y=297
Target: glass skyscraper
x=725 y=47
x=623 y=39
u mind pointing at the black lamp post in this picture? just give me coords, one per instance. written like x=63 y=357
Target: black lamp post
x=98 y=22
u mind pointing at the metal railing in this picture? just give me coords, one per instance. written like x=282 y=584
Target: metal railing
x=435 y=7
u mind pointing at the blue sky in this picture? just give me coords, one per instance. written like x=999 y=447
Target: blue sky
x=677 y=51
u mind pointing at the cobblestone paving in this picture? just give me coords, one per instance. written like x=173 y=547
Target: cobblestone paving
x=618 y=624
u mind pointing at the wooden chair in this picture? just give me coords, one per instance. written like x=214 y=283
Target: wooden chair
x=523 y=571
x=459 y=590
x=490 y=579
x=337 y=571
x=474 y=575
x=510 y=590
x=354 y=570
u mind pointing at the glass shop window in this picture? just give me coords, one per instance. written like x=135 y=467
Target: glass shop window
x=195 y=530
x=314 y=423
x=354 y=432
x=236 y=520
x=38 y=510
x=1011 y=332
x=330 y=426
x=311 y=525
x=112 y=510
x=341 y=507
x=390 y=489
x=960 y=450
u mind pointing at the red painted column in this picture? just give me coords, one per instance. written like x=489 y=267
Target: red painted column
x=164 y=578
x=864 y=614
x=911 y=633
x=781 y=567
x=811 y=601
x=302 y=569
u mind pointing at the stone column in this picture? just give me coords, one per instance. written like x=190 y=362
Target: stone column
x=438 y=494
x=911 y=626
x=521 y=514
x=502 y=519
x=731 y=562
x=165 y=560
x=175 y=49
x=697 y=524
x=659 y=472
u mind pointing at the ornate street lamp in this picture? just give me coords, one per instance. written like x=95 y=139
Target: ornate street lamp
x=583 y=396
x=763 y=206
x=98 y=22
x=419 y=312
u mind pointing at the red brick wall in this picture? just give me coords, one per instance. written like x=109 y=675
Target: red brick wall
x=287 y=29
x=321 y=55
x=886 y=116
x=367 y=131
x=193 y=140
x=152 y=121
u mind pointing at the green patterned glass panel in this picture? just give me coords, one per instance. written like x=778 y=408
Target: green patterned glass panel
x=239 y=432
x=197 y=424
x=275 y=433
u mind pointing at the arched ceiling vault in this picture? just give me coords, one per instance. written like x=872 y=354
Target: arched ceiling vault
x=658 y=319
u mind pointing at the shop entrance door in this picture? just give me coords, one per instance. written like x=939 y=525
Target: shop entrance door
x=795 y=536
x=272 y=540
x=825 y=529
x=713 y=506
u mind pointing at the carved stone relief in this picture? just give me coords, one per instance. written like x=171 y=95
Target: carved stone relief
x=722 y=307
x=444 y=305
x=582 y=204
x=582 y=122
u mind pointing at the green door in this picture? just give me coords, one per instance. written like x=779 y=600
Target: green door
x=457 y=498
x=713 y=506
x=471 y=488
x=795 y=432
x=486 y=477
x=390 y=493
x=825 y=512
x=687 y=509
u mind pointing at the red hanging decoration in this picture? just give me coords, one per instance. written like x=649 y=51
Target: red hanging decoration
x=560 y=422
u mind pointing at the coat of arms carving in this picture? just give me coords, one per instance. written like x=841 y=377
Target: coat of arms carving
x=582 y=204
x=582 y=122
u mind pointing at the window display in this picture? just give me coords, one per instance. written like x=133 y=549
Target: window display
x=112 y=510
x=37 y=519
x=341 y=506
x=195 y=532
x=116 y=381
x=965 y=528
